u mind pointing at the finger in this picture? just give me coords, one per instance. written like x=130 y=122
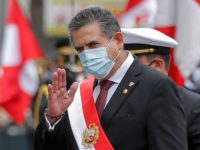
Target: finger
x=55 y=82
x=64 y=82
x=50 y=93
x=72 y=90
x=59 y=78
x=63 y=93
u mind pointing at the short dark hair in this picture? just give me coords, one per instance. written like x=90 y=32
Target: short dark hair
x=165 y=58
x=108 y=23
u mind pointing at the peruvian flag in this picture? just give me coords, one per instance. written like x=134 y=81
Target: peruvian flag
x=180 y=20
x=157 y=14
x=19 y=79
x=165 y=21
x=138 y=13
x=187 y=54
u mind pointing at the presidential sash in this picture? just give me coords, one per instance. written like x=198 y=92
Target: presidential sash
x=84 y=119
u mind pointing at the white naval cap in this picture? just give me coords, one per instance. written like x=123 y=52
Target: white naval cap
x=147 y=40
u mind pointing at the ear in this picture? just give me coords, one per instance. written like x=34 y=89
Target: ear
x=119 y=38
x=160 y=65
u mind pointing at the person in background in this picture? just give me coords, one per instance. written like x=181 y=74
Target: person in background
x=193 y=82
x=68 y=59
x=124 y=105
x=151 y=47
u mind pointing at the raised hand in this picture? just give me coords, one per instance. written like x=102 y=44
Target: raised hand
x=59 y=98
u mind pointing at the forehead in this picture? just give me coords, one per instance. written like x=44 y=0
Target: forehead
x=87 y=34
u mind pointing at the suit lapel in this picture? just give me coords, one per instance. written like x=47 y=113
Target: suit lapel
x=126 y=86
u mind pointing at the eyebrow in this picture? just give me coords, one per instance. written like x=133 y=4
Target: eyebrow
x=87 y=44
x=93 y=42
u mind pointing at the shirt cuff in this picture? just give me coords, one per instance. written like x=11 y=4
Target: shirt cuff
x=49 y=126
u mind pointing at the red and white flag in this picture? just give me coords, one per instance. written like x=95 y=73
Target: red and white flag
x=187 y=54
x=138 y=13
x=158 y=14
x=165 y=21
x=19 y=80
x=181 y=20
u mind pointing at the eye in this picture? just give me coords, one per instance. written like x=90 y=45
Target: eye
x=93 y=44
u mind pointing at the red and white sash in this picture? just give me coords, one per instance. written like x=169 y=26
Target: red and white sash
x=84 y=119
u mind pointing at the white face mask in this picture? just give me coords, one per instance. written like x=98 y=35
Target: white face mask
x=96 y=62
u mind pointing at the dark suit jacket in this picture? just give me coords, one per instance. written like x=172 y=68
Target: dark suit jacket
x=191 y=103
x=149 y=117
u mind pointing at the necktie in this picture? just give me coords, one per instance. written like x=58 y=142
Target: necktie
x=101 y=100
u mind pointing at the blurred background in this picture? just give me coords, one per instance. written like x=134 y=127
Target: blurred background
x=34 y=43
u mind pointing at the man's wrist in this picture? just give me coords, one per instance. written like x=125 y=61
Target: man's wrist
x=53 y=119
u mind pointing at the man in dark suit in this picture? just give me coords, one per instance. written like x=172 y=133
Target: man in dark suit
x=142 y=108
x=159 y=59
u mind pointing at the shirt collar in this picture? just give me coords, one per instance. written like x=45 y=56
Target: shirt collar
x=119 y=74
